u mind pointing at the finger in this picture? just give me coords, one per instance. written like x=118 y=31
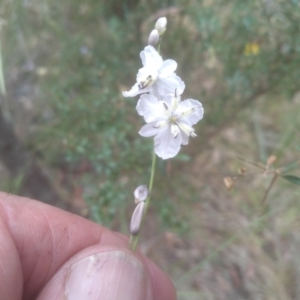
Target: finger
x=44 y=238
x=100 y=272
x=10 y=266
x=107 y=273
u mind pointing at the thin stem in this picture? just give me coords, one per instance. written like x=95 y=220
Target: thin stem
x=2 y=83
x=269 y=188
x=133 y=241
x=151 y=181
x=252 y=163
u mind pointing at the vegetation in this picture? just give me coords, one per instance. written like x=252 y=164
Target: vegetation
x=65 y=64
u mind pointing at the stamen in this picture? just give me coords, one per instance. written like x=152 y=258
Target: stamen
x=174 y=130
x=145 y=83
x=141 y=85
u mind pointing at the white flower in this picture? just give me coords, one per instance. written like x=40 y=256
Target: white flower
x=157 y=76
x=170 y=121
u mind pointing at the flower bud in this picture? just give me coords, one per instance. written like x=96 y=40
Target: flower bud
x=141 y=193
x=136 y=218
x=153 y=38
x=161 y=25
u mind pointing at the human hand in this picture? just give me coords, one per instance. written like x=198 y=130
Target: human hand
x=47 y=253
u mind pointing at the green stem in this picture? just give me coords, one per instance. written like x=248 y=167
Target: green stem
x=2 y=84
x=133 y=242
x=263 y=201
x=151 y=181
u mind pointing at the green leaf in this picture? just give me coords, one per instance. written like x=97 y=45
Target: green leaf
x=292 y=179
x=290 y=167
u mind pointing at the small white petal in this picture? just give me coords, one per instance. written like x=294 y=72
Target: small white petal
x=190 y=111
x=160 y=124
x=167 y=99
x=142 y=74
x=149 y=130
x=151 y=58
x=147 y=74
x=168 y=67
x=166 y=146
x=135 y=90
x=150 y=108
x=185 y=138
x=169 y=84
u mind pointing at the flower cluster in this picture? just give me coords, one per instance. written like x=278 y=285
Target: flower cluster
x=168 y=119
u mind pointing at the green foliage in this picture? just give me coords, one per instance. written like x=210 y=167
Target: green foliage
x=292 y=178
x=80 y=56
x=170 y=218
x=228 y=52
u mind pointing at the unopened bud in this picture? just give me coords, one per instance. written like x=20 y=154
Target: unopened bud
x=136 y=219
x=161 y=25
x=153 y=38
x=141 y=193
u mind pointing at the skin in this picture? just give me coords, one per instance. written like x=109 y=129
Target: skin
x=36 y=240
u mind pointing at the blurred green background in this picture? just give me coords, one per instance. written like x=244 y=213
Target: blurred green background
x=65 y=65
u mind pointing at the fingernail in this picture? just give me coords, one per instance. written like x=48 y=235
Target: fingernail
x=109 y=275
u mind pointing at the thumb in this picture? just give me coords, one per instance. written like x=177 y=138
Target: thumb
x=101 y=272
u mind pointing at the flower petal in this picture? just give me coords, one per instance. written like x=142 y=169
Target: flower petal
x=169 y=84
x=185 y=138
x=151 y=108
x=168 y=67
x=190 y=111
x=135 y=90
x=144 y=74
x=149 y=130
x=166 y=146
x=151 y=58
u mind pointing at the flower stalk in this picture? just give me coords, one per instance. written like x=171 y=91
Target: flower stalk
x=169 y=120
x=134 y=238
